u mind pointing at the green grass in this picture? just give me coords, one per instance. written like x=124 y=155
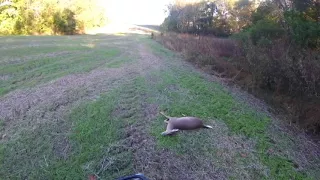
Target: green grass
x=208 y=101
x=23 y=52
x=93 y=132
x=88 y=133
x=89 y=139
x=119 y=62
x=42 y=69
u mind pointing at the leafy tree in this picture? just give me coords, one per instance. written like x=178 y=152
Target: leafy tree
x=48 y=17
x=64 y=22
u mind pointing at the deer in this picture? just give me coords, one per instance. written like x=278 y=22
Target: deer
x=175 y=124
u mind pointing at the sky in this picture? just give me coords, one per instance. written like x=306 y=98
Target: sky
x=147 y=12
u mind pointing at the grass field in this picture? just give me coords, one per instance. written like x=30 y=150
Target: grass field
x=80 y=106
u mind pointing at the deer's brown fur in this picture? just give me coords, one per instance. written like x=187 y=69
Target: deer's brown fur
x=174 y=124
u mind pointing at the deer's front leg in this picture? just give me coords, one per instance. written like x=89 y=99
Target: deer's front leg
x=169 y=130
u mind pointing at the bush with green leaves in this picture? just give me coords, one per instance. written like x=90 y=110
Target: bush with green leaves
x=64 y=22
x=265 y=30
x=304 y=31
x=50 y=17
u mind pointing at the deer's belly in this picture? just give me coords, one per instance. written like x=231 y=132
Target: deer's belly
x=187 y=125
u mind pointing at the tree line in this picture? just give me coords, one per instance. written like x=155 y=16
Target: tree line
x=263 y=19
x=49 y=16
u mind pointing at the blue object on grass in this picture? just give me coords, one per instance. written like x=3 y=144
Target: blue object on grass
x=138 y=176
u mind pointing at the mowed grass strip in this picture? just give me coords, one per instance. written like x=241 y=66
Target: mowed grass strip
x=26 y=50
x=119 y=62
x=85 y=143
x=211 y=102
x=33 y=72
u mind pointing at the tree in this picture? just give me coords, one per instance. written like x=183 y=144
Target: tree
x=47 y=16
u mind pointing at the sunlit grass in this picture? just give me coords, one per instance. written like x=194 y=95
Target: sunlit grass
x=30 y=66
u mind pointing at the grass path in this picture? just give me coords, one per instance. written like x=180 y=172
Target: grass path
x=91 y=108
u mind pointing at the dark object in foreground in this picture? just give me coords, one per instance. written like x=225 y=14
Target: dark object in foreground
x=138 y=176
x=174 y=124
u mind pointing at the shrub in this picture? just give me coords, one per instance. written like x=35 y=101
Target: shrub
x=48 y=17
x=305 y=32
x=64 y=22
x=265 y=30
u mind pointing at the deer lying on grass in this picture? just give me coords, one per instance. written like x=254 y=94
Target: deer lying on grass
x=174 y=124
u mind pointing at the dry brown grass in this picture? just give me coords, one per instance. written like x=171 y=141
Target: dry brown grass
x=211 y=53
x=206 y=45
x=288 y=76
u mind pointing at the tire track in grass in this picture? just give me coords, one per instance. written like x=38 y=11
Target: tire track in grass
x=36 y=128
x=137 y=115
x=154 y=161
